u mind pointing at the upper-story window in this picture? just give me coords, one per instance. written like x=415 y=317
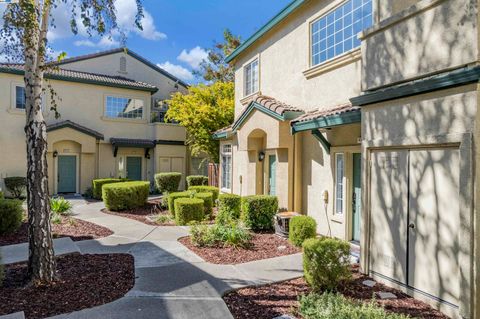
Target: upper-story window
x=120 y=107
x=337 y=32
x=20 y=98
x=251 y=77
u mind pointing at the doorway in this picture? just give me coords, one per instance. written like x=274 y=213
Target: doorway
x=271 y=175
x=67 y=174
x=134 y=168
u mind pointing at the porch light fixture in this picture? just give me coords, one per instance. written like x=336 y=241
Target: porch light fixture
x=261 y=156
x=55 y=154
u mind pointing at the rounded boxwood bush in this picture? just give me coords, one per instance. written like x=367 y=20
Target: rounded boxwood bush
x=206 y=189
x=173 y=196
x=258 y=211
x=229 y=206
x=207 y=203
x=11 y=215
x=197 y=180
x=126 y=195
x=302 y=228
x=97 y=185
x=326 y=262
x=16 y=185
x=188 y=210
x=168 y=182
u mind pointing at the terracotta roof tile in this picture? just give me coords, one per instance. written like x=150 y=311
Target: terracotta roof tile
x=275 y=105
x=224 y=129
x=325 y=112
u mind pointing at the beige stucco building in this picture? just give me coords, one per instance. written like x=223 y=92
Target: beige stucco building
x=111 y=122
x=362 y=114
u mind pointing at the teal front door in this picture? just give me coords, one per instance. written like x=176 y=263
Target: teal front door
x=357 y=196
x=67 y=174
x=272 y=173
x=134 y=168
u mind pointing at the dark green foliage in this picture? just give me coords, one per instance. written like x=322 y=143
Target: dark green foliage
x=173 y=196
x=302 y=228
x=206 y=189
x=2 y=196
x=88 y=193
x=229 y=207
x=233 y=234
x=97 y=185
x=258 y=211
x=188 y=210
x=326 y=262
x=16 y=185
x=126 y=195
x=197 y=180
x=11 y=214
x=168 y=182
x=2 y=271
x=207 y=203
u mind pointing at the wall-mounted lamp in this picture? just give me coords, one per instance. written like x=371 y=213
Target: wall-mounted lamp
x=261 y=156
x=55 y=154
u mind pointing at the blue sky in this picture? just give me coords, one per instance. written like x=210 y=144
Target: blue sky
x=176 y=32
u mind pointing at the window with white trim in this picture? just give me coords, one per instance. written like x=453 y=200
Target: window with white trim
x=121 y=107
x=226 y=154
x=251 y=78
x=339 y=182
x=20 y=98
x=337 y=32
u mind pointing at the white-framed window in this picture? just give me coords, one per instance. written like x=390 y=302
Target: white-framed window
x=251 y=77
x=337 y=31
x=121 y=107
x=20 y=97
x=226 y=153
x=339 y=182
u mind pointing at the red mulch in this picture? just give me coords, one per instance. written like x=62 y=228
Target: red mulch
x=76 y=229
x=263 y=246
x=84 y=281
x=277 y=299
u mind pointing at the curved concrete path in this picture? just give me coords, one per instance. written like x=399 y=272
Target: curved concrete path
x=171 y=281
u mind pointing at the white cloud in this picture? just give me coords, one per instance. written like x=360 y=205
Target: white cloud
x=103 y=43
x=177 y=70
x=194 y=57
x=126 y=10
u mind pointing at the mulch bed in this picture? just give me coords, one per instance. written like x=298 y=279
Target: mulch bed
x=76 y=229
x=84 y=281
x=263 y=246
x=277 y=299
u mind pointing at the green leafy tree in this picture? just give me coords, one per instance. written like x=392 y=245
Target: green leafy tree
x=204 y=110
x=215 y=68
x=24 y=36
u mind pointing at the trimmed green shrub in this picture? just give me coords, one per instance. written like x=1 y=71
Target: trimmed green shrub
x=60 y=206
x=229 y=206
x=326 y=262
x=336 y=306
x=168 y=182
x=97 y=185
x=302 y=228
x=16 y=185
x=188 y=210
x=234 y=235
x=206 y=189
x=207 y=203
x=11 y=215
x=173 y=196
x=197 y=180
x=126 y=195
x=258 y=211
x=2 y=196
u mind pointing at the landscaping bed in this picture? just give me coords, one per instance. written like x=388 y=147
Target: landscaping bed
x=76 y=229
x=84 y=281
x=262 y=246
x=270 y=301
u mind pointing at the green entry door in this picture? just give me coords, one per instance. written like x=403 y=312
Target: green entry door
x=134 y=168
x=67 y=174
x=272 y=173
x=357 y=196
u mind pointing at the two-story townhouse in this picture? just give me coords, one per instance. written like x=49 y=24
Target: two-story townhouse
x=392 y=168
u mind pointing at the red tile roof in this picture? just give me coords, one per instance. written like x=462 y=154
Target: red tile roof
x=325 y=112
x=275 y=105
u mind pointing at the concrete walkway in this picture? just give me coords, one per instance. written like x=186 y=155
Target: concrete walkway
x=171 y=281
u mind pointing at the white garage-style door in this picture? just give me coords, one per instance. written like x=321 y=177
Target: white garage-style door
x=415 y=219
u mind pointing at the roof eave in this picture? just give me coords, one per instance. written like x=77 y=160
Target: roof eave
x=327 y=122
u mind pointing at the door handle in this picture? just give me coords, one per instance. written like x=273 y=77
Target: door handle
x=411 y=226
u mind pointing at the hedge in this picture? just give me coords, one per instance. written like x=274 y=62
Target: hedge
x=258 y=211
x=206 y=189
x=16 y=185
x=126 y=195
x=11 y=215
x=168 y=182
x=207 y=203
x=326 y=262
x=229 y=206
x=197 y=180
x=301 y=228
x=173 y=196
x=97 y=185
x=188 y=210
